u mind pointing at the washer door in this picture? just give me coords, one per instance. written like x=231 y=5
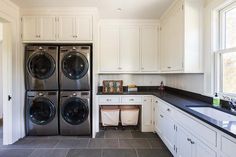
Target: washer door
x=75 y=111
x=42 y=111
x=41 y=65
x=75 y=65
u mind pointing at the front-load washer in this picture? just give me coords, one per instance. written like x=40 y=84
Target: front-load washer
x=41 y=67
x=75 y=68
x=75 y=113
x=41 y=113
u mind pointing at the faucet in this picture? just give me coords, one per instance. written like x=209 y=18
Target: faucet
x=232 y=104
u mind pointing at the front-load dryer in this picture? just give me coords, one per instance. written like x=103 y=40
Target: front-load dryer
x=41 y=113
x=75 y=113
x=41 y=67
x=75 y=68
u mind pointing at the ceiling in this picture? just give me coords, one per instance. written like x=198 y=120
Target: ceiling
x=107 y=8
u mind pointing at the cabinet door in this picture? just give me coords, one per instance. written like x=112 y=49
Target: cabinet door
x=149 y=48
x=169 y=132
x=84 y=28
x=157 y=116
x=147 y=114
x=199 y=149
x=109 y=48
x=67 y=28
x=172 y=40
x=183 y=145
x=129 y=49
x=29 y=26
x=47 y=28
x=177 y=39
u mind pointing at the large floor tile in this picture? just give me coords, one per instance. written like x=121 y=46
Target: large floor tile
x=100 y=134
x=134 y=143
x=138 y=134
x=46 y=143
x=103 y=143
x=156 y=143
x=122 y=134
x=15 y=152
x=72 y=143
x=84 y=153
x=153 y=153
x=49 y=153
x=119 y=153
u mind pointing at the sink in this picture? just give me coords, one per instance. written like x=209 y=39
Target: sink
x=214 y=113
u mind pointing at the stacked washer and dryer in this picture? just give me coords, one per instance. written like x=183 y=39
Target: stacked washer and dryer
x=58 y=83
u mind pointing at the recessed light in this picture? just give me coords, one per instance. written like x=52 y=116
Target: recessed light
x=119 y=9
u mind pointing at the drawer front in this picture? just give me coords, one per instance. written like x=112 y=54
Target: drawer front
x=199 y=130
x=165 y=108
x=131 y=100
x=228 y=146
x=109 y=100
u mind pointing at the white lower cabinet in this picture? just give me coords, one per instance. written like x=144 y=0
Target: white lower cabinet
x=147 y=125
x=189 y=146
x=178 y=139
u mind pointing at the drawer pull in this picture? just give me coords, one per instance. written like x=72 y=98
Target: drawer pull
x=108 y=99
x=188 y=139
x=161 y=116
x=131 y=99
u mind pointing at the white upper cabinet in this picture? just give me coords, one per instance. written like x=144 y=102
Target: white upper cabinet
x=129 y=48
x=52 y=28
x=84 y=28
x=73 y=28
x=30 y=30
x=181 y=37
x=47 y=27
x=109 y=53
x=67 y=28
x=149 y=48
x=39 y=28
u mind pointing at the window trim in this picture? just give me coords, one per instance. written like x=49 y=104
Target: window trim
x=221 y=42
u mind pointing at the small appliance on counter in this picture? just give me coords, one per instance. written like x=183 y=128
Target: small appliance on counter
x=132 y=88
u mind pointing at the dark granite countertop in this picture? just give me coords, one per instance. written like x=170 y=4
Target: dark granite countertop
x=183 y=100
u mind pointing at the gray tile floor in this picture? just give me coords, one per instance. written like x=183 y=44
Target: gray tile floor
x=110 y=143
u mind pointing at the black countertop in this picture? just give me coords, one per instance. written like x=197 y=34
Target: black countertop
x=183 y=100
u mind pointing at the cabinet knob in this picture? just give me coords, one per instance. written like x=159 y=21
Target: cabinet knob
x=169 y=67
x=168 y=110
x=161 y=116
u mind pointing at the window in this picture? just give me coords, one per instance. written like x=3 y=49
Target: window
x=226 y=55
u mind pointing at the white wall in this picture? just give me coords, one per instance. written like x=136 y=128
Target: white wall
x=1 y=93
x=189 y=82
x=139 y=80
x=12 y=115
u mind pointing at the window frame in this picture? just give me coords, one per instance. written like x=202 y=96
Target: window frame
x=218 y=54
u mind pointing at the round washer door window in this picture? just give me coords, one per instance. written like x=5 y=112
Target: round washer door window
x=75 y=65
x=42 y=111
x=75 y=111
x=41 y=65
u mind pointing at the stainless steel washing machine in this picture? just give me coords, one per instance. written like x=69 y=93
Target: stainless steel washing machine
x=75 y=68
x=41 y=113
x=41 y=67
x=75 y=113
